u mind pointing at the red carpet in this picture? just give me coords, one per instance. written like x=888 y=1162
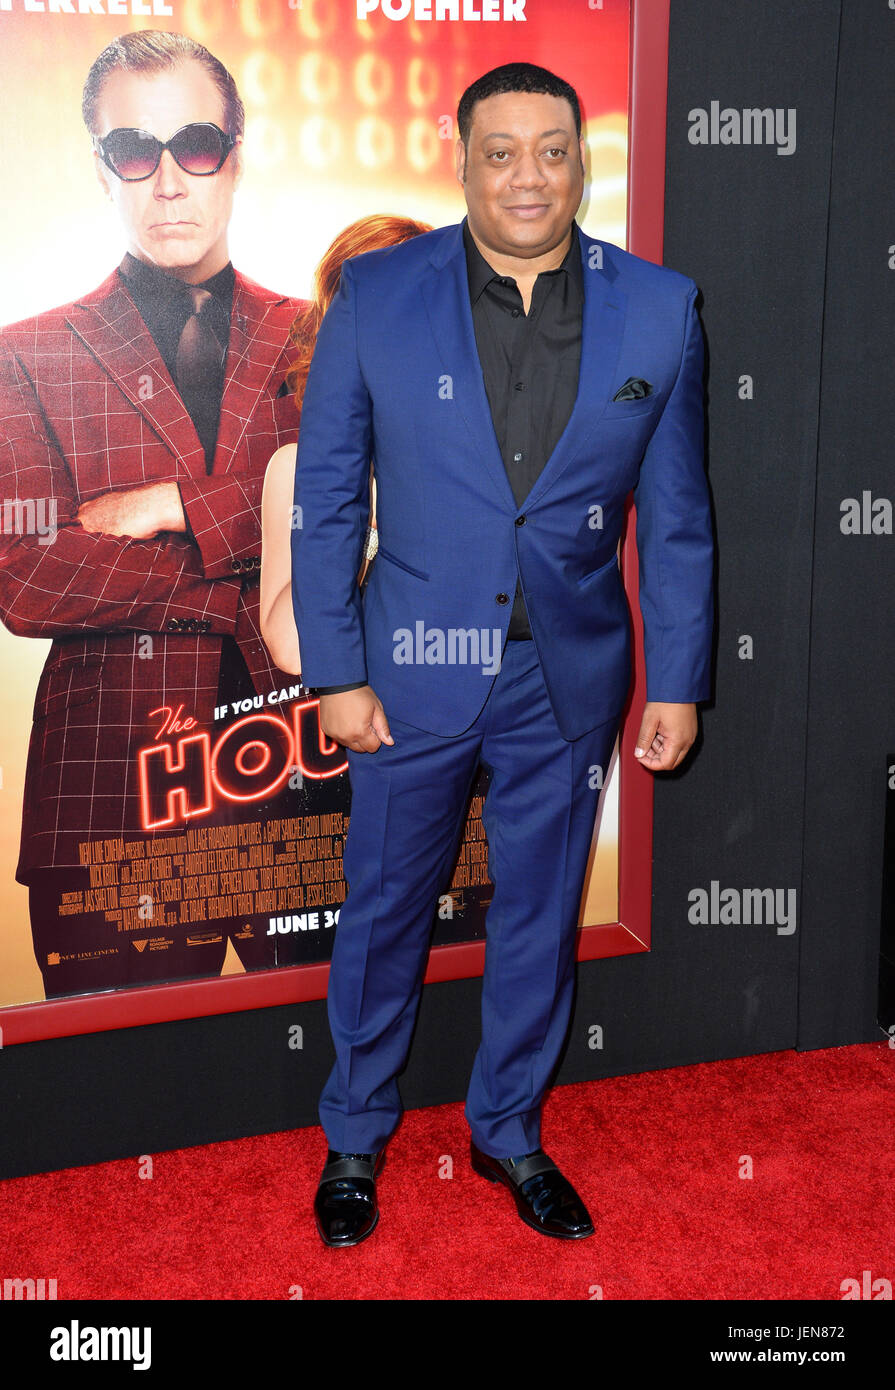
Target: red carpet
x=656 y=1157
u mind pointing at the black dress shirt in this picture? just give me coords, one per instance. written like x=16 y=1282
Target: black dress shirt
x=530 y=367
x=530 y=364
x=164 y=306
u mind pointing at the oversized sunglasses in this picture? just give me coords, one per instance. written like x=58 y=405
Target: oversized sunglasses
x=200 y=148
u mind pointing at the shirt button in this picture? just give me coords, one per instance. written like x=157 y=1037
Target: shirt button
x=520 y=385
x=517 y=458
x=515 y=313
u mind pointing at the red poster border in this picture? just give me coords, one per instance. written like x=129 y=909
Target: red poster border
x=130 y=1008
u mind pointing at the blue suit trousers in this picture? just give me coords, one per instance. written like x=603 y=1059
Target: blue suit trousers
x=407 y=815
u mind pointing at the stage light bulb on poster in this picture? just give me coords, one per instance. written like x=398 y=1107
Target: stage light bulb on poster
x=170 y=808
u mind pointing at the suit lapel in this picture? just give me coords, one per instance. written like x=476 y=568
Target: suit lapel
x=259 y=329
x=446 y=296
x=602 y=327
x=109 y=324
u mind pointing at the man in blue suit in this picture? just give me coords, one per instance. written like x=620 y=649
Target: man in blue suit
x=513 y=379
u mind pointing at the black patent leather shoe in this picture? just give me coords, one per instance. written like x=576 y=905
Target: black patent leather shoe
x=345 y=1207
x=545 y=1200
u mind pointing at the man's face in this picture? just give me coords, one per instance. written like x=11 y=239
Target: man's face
x=523 y=175
x=175 y=220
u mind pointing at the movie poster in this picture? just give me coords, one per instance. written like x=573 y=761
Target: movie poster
x=170 y=807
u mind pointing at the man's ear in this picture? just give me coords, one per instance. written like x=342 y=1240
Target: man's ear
x=460 y=160
x=582 y=150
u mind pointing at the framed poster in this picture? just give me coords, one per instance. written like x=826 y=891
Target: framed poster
x=172 y=816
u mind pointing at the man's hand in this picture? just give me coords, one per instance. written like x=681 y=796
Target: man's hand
x=356 y=719
x=140 y=512
x=666 y=735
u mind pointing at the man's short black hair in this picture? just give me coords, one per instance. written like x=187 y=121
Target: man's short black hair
x=514 y=77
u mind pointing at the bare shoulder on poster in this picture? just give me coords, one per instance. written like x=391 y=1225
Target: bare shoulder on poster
x=456 y=10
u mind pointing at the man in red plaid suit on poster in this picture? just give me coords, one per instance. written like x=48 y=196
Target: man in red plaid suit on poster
x=141 y=418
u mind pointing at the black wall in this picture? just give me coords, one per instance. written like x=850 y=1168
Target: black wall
x=786 y=788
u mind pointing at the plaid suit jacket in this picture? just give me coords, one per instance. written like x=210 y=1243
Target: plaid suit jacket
x=87 y=405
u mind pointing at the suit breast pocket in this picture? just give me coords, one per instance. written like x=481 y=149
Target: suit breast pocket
x=620 y=411
x=384 y=554
x=66 y=684
x=285 y=414
x=607 y=564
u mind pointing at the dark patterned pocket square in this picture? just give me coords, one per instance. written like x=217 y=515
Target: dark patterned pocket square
x=634 y=389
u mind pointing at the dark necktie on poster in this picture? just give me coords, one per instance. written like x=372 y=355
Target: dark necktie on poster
x=198 y=366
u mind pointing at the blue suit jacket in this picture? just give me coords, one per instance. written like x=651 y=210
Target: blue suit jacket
x=396 y=377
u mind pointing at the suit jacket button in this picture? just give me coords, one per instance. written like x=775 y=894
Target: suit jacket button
x=503 y=598
x=236 y=565
x=173 y=624
x=204 y=624
x=520 y=520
